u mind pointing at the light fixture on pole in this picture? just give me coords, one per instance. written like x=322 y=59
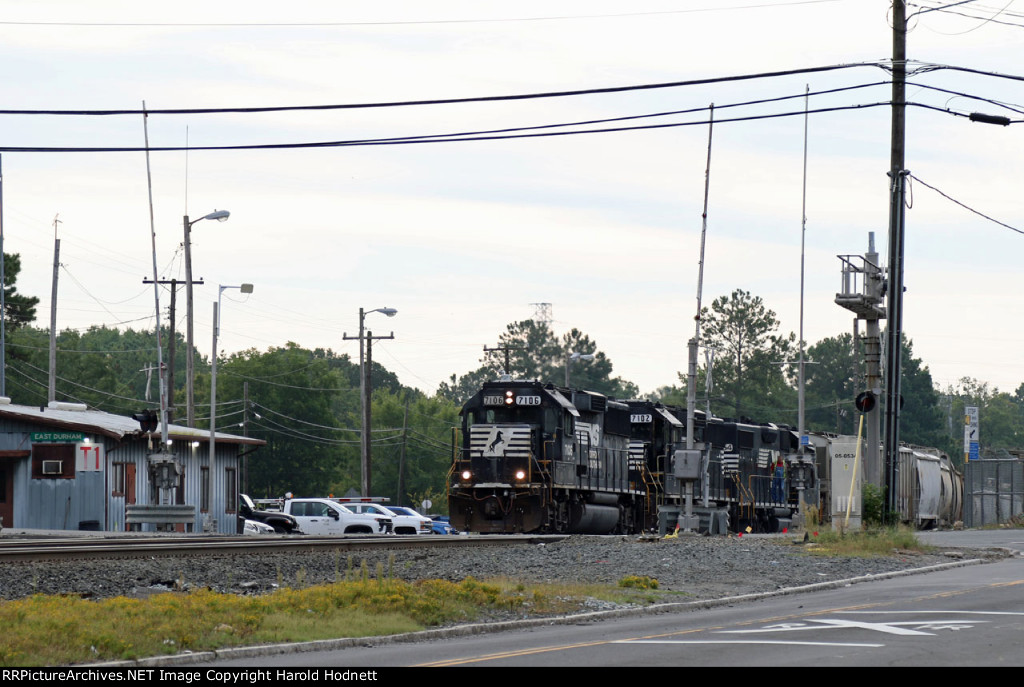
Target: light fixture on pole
x=575 y=356
x=244 y=288
x=190 y=405
x=364 y=392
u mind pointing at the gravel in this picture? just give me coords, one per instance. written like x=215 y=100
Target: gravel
x=703 y=567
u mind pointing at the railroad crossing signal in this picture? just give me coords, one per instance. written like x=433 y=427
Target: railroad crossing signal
x=865 y=402
x=147 y=420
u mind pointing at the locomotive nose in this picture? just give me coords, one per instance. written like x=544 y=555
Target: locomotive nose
x=491 y=509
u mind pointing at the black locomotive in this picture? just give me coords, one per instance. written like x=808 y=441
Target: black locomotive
x=533 y=457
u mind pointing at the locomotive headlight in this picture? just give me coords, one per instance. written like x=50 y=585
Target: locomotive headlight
x=509 y=398
x=466 y=475
x=520 y=475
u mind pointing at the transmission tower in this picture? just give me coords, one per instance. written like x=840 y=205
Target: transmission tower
x=542 y=313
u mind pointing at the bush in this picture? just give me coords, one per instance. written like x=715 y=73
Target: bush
x=638 y=582
x=873 y=505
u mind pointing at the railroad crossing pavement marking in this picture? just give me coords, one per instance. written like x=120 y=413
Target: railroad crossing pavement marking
x=734 y=642
x=911 y=628
x=894 y=628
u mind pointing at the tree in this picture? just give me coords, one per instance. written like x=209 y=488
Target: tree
x=831 y=385
x=534 y=352
x=412 y=446
x=748 y=355
x=303 y=405
x=921 y=418
x=19 y=310
x=1001 y=415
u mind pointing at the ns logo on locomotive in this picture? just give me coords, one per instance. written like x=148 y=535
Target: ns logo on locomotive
x=533 y=457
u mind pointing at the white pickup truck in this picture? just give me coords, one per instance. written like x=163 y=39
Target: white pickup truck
x=325 y=517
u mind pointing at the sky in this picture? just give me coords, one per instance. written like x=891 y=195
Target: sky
x=465 y=237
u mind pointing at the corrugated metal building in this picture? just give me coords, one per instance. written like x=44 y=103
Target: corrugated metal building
x=66 y=468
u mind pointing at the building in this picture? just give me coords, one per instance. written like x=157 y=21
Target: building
x=64 y=467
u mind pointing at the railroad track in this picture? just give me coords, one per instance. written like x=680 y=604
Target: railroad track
x=121 y=547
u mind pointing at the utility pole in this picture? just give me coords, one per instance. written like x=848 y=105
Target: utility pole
x=171 y=346
x=365 y=391
x=897 y=225
x=3 y=298
x=505 y=350
x=51 y=392
x=367 y=407
x=401 y=459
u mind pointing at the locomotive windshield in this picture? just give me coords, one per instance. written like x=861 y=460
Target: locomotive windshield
x=513 y=415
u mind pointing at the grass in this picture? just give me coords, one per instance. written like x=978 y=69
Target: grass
x=61 y=630
x=866 y=543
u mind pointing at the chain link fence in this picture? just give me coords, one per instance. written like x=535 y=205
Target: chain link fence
x=993 y=490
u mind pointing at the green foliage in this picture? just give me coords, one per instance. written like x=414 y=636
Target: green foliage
x=1001 y=416
x=535 y=352
x=867 y=543
x=638 y=582
x=57 y=630
x=832 y=383
x=872 y=505
x=103 y=367
x=748 y=379
x=19 y=310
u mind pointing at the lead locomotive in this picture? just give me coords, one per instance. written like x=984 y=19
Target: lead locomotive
x=533 y=457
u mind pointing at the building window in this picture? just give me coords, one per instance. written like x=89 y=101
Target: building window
x=117 y=479
x=231 y=482
x=53 y=461
x=204 y=489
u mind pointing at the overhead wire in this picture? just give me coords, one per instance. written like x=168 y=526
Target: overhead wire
x=421 y=22
x=449 y=101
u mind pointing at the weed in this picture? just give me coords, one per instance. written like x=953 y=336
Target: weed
x=638 y=582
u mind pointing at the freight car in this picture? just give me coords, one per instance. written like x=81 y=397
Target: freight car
x=931 y=489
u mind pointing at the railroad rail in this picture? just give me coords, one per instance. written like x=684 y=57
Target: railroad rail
x=64 y=548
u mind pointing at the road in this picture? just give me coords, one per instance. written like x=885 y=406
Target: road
x=971 y=615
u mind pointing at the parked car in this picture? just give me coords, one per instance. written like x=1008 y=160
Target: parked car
x=441 y=525
x=256 y=527
x=407 y=521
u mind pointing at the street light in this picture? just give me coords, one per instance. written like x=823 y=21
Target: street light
x=364 y=390
x=575 y=356
x=220 y=216
x=245 y=288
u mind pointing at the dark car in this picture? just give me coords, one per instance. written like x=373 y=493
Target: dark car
x=441 y=525
x=281 y=522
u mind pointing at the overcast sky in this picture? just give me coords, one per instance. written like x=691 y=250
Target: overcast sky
x=463 y=237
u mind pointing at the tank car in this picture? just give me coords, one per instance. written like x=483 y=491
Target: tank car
x=533 y=457
x=930 y=488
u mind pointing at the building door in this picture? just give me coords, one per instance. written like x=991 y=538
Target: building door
x=7 y=493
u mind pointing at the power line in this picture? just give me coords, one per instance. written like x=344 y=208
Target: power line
x=966 y=207
x=448 y=101
x=423 y=22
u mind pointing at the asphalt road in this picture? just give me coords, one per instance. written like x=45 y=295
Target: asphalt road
x=965 y=616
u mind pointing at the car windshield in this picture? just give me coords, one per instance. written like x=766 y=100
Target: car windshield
x=402 y=511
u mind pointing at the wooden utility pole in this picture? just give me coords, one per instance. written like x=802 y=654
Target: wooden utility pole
x=506 y=350
x=401 y=458
x=171 y=346
x=51 y=393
